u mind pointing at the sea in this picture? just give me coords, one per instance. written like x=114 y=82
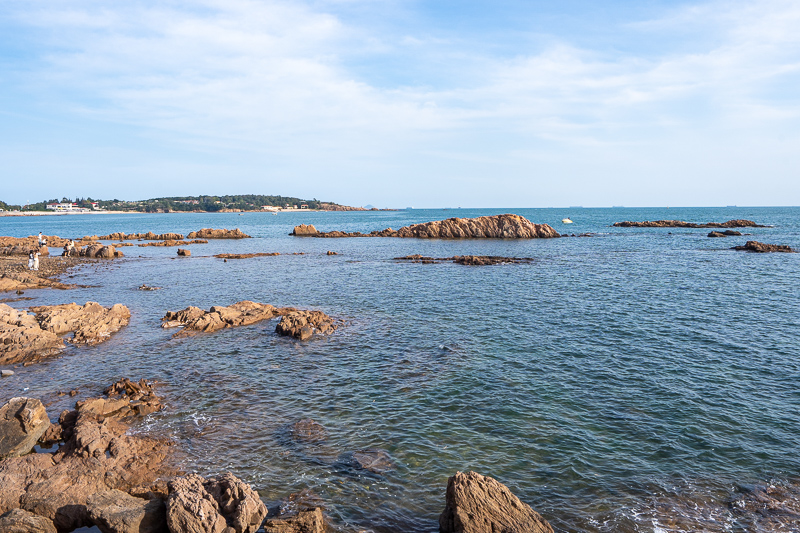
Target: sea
x=636 y=380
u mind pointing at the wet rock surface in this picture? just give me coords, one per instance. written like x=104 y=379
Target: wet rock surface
x=305 y=521
x=372 y=460
x=480 y=504
x=726 y=233
x=210 y=233
x=23 y=281
x=22 y=422
x=296 y=323
x=471 y=260
x=149 y=236
x=760 y=247
x=506 y=226
x=22 y=339
x=92 y=323
x=174 y=243
x=307 y=431
x=246 y=256
x=737 y=223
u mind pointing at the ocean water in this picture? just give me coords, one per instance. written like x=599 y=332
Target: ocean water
x=629 y=382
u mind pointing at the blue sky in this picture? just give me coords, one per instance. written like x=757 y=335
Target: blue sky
x=403 y=103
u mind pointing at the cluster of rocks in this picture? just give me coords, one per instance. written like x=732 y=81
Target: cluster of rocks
x=26 y=337
x=296 y=323
x=726 y=233
x=738 y=223
x=149 y=236
x=22 y=281
x=489 y=227
x=471 y=260
x=760 y=247
x=173 y=242
x=209 y=233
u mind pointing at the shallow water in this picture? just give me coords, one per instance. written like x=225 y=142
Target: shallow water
x=607 y=383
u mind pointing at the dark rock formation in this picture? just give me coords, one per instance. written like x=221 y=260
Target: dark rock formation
x=246 y=256
x=739 y=223
x=184 y=253
x=209 y=233
x=196 y=505
x=332 y=253
x=769 y=507
x=307 y=521
x=472 y=260
x=760 y=247
x=478 y=504
x=490 y=227
x=92 y=323
x=296 y=323
x=21 y=521
x=22 y=422
x=726 y=233
x=716 y=234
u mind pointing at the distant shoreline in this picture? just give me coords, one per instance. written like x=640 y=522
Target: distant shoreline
x=54 y=213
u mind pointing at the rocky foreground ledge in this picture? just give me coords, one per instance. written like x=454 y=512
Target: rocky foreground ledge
x=490 y=227
x=737 y=223
x=297 y=323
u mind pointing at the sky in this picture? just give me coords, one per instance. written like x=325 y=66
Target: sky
x=398 y=103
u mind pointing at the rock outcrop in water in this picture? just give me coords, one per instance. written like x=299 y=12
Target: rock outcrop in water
x=174 y=243
x=209 y=233
x=471 y=260
x=489 y=227
x=99 y=251
x=738 y=223
x=760 y=247
x=479 y=504
x=294 y=322
x=22 y=281
x=246 y=256
x=149 y=236
x=30 y=338
x=70 y=487
x=726 y=233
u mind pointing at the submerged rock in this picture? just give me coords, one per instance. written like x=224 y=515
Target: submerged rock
x=307 y=431
x=372 y=460
x=246 y=256
x=209 y=233
x=760 y=247
x=471 y=260
x=506 y=226
x=738 y=223
x=307 y=521
x=22 y=422
x=480 y=504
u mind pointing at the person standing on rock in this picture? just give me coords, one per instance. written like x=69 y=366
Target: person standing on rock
x=36 y=261
x=40 y=239
x=30 y=261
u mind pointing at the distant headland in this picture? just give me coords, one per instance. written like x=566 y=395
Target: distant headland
x=179 y=204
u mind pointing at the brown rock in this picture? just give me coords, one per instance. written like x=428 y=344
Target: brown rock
x=22 y=339
x=21 y=521
x=149 y=236
x=303 y=324
x=209 y=233
x=210 y=506
x=99 y=251
x=92 y=323
x=760 y=247
x=304 y=229
x=478 y=504
x=309 y=521
x=506 y=226
x=22 y=422
x=114 y=511
x=184 y=253
x=716 y=234
x=22 y=281
x=174 y=243
x=246 y=256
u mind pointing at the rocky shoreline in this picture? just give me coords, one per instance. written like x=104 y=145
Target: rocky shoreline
x=737 y=223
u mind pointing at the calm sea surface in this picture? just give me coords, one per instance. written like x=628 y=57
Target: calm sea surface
x=614 y=383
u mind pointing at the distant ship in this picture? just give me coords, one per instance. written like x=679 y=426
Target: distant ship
x=566 y=221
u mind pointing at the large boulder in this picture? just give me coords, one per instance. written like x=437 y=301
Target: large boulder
x=21 y=521
x=22 y=422
x=304 y=229
x=99 y=251
x=196 y=505
x=480 y=504
x=22 y=339
x=114 y=511
x=304 y=324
